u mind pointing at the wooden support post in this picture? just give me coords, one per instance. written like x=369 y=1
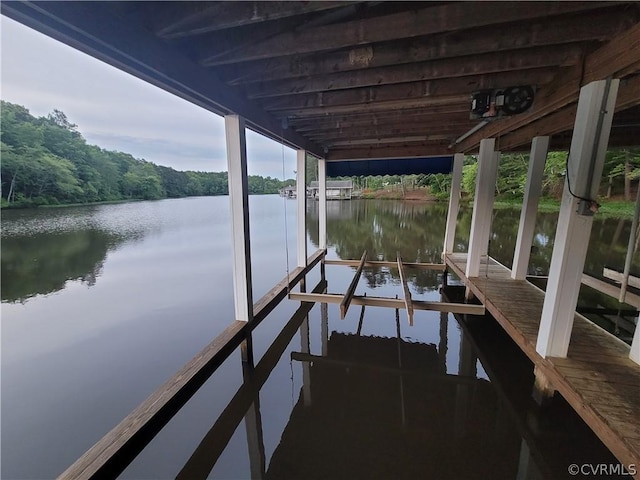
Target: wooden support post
x=586 y=158
x=485 y=187
x=239 y=198
x=322 y=203
x=348 y=296
x=301 y=199
x=537 y=159
x=486 y=233
x=454 y=203
x=407 y=294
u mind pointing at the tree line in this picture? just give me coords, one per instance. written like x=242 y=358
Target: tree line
x=46 y=161
x=620 y=173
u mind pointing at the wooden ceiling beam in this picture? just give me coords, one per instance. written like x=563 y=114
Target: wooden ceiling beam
x=376 y=121
x=388 y=151
x=407 y=24
x=384 y=141
x=398 y=114
x=554 y=31
x=377 y=132
x=410 y=91
x=494 y=62
x=456 y=102
x=617 y=55
x=183 y=19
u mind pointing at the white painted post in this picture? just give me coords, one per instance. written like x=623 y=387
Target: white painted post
x=486 y=233
x=537 y=159
x=454 y=203
x=239 y=198
x=301 y=198
x=485 y=187
x=586 y=159
x=322 y=202
x=634 y=354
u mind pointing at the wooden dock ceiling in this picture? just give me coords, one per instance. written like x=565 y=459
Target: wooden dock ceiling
x=366 y=80
x=597 y=378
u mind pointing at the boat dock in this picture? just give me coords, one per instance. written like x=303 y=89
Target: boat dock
x=597 y=377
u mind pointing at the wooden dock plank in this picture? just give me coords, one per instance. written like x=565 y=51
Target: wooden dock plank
x=597 y=378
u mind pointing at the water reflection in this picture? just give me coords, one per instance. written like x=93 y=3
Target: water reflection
x=416 y=230
x=42 y=250
x=375 y=406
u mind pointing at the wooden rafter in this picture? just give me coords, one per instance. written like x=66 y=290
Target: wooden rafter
x=406 y=93
x=493 y=62
x=196 y=18
x=406 y=24
x=348 y=296
x=550 y=31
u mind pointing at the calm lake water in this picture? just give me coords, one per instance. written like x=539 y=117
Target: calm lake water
x=102 y=304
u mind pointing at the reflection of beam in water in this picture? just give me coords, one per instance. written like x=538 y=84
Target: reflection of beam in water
x=550 y=434
x=253 y=426
x=324 y=327
x=466 y=367
x=306 y=373
x=402 y=411
x=214 y=442
x=348 y=364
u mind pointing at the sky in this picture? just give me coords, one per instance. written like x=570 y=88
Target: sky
x=117 y=111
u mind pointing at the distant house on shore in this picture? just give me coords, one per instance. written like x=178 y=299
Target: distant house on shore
x=289 y=191
x=336 y=189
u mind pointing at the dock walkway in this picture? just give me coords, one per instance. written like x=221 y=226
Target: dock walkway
x=597 y=378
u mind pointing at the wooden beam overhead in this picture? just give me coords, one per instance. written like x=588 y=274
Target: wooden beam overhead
x=423 y=120
x=550 y=31
x=389 y=151
x=494 y=62
x=385 y=141
x=407 y=24
x=196 y=18
x=378 y=134
x=617 y=55
x=401 y=114
x=461 y=88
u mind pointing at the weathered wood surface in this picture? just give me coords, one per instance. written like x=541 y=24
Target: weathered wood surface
x=462 y=308
x=105 y=458
x=408 y=304
x=369 y=263
x=597 y=378
x=348 y=296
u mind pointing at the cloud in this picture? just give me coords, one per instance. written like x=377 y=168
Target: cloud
x=117 y=111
